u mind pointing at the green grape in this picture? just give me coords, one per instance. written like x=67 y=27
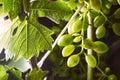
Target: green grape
x=115 y=2
x=112 y=77
x=116 y=28
x=73 y=60
x=77 y=26
x=107 y=70
x=111 y=1
x=117 y=14
x=101 y=47
x=65 y=40
x=105 y=10
x=100 y=32
x=107 y=4
x=70 y=28
x=77 y=39
x=93 y=13
x=68 y=50
x=95 y=4
x=88 y=44
x=91 y=60
x=118 y=2
x=71 y=4
x=99 y=20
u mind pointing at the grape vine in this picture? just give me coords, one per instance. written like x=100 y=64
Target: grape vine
x=81 y=29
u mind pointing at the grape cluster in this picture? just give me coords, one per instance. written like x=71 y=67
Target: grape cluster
x=100 y=13
x=74 y=39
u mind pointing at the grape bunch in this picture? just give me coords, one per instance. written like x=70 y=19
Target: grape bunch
x=100 y=13
x=74 y=39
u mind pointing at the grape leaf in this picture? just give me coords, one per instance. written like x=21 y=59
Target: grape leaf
x=15 y=10
x=5 y=26
x=30 y=38
x=3 y=74
x=55 y=10
x=7 y=5
x=36 y=74
x=15 y=74
x=13 y=7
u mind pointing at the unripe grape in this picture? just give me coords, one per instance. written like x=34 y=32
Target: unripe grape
x=107 y=70
x=91 y=60
x=117 y=14
x=70 y=28
x=112 y=77
x=95 y=4
x=88 y=44
x=65 y=40
x=100 y=32
x=77 y=26
x=68 y=50
x=118 y=2
x=101 y=47
x=116 y=28
x=73 y=60
x=107 y=4
x=114 y=2
x=77 y=39
x=93 y=13
x=99 y=20
x=111 y=1
x=105 y=10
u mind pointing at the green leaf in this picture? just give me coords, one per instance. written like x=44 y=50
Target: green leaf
x=7 y=5
x=36 y=74
x=30 y=38
x=16 y=75
x=26 y=4
x=16 y=8
x=56 y=10
x=3 y=74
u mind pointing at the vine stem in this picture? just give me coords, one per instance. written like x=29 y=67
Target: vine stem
x=90 y=51
x=40 y=63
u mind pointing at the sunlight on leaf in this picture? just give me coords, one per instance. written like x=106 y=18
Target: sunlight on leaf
x=56 y=10
x=5 y=26
x=30 y=38
x=22 y=64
